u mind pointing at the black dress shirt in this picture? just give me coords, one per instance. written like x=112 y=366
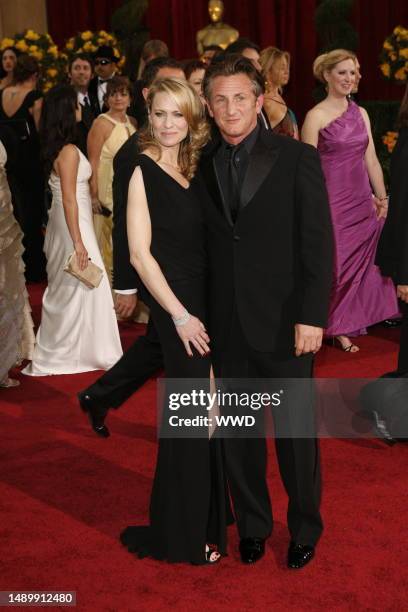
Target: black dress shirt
x=231 y=164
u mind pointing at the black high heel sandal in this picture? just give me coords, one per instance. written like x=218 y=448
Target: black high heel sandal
x=350 y=348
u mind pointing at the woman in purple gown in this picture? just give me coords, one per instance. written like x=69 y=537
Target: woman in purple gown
x=341 y=132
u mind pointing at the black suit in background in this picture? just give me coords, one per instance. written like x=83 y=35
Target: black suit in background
x=392 y=251
x=144 y=357
x=138 y=105
x=93 y=93
x=269 y=270
x=89 y=113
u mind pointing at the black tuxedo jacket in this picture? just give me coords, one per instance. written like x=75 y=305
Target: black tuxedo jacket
x=89 y=114
x=93 y=94
x=392 y=252
x=275 y=262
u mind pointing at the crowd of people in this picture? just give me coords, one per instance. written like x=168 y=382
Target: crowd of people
x=193 y=188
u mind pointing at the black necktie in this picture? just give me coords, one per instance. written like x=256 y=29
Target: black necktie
x=232 y=177
x=86 y=102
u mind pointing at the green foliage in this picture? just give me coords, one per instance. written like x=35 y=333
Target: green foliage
x=383 y=118
x=333 y=26
x=126 y=19
x=126 y=26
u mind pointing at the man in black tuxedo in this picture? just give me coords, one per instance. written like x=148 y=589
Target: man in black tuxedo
x=270 y=265
x=80 y=71
x=270 y=269
x=105 y=62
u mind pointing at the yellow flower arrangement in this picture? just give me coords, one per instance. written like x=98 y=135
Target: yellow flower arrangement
x=390 y=139
x=44 y=50
x=31 y=35
x=400 y=74
x=86 y=35
x=385 y=69
x=22 y=46
x=88 y=42
x=7 y=42
x=394 y=54
x=89 y=47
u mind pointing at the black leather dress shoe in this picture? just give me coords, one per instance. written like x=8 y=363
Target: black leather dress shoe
x=299 y=555
x=251 y=549
x=96 y=415
x=381 y=429
x=391 y=322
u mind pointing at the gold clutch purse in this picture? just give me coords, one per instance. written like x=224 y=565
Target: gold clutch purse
x=91 y=276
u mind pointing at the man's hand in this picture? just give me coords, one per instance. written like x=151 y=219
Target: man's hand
x=125 y=304
x=402 y=292
x=308 y=339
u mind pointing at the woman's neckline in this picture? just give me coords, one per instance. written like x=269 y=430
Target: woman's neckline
x=349 y=104
x=165 y=172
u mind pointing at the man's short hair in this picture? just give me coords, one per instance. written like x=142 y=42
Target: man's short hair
x=155 y=48
x=82 y=56
x=239 y=45
x=152 y=68
x=230 y=66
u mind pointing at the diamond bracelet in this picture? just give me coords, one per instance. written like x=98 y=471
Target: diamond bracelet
x=181 y=320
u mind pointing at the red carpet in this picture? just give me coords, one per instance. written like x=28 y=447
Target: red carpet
x=66 y=494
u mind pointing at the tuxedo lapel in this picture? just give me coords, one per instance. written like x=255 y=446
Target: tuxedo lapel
x=261 y=160
x=212 y=183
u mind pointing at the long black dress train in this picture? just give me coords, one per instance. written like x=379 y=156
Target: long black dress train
x=188 y=505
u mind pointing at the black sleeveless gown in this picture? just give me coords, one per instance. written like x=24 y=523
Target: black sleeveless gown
x=188 y=506
x=27 y=185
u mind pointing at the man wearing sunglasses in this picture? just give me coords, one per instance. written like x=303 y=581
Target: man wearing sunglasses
x=105 y=63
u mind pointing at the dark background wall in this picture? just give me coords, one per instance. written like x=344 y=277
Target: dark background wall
x=288 y=24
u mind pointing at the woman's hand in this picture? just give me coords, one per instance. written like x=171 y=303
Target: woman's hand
x=194 y=331
x=96 y=206
x=381 y=207
x=81 y=255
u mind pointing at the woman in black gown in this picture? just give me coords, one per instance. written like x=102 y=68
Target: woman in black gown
x=20 y=109
x=166 y=242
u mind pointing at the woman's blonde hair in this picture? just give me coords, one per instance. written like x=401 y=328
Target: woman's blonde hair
x=268 y=58
x=327 y=61
x=192 y=110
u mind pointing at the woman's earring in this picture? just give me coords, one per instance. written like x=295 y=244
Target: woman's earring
x=151 y=130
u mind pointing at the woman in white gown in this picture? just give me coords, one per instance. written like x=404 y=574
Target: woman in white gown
x=78 y=331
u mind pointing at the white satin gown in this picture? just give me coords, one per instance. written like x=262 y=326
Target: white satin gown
x=79 y=330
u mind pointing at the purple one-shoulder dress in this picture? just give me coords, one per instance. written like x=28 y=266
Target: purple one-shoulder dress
x=360 y=295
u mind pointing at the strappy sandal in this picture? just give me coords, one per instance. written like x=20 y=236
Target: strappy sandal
x=211 y=553
x=7 y=383
x=349 y=348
